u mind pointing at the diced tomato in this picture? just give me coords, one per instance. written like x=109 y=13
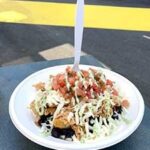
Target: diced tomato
x=63 y=90
x=88 y=94
x=71 y=72
x=125 y=103
x=85 y=73
x=57 y=76
x=58 y=81
x=61 y=80
x=80 y=92
x=96 y=88
x=61 y=77
x=109 y=82
x=76 y=77
x=71 y=81
x=80 y=85
x=68 y=69
x=68 y=96
x=62 y=84
x=115 y=92
x=55 y=85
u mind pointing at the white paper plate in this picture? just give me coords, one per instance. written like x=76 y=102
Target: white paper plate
x=22 y=117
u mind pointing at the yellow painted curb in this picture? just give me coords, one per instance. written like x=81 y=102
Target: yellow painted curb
x=62 y=14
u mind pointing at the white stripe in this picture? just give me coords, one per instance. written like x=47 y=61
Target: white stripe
x=146 y=37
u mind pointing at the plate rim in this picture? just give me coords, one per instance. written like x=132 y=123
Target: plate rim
x=41 y=141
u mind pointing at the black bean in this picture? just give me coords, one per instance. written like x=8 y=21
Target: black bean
x=39 y=122
x=118 y=109
x=67 y=132
x=103 y=123
x=115 y=116
x=48 y=127
x=91 y=131
x=107 y=121
x=47 y=122
x=98 y=119
x=43 y=119
x=91 y=121
x=55 y=133
x=40 y=109
x=47 y=106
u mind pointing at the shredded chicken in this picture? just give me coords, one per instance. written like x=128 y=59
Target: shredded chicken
x=103 y=112
x=61 y=121
x=32 y=107
x=49 y=111
x=79 y=131
x=39 y=86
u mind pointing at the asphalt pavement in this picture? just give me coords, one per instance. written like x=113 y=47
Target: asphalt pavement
x=126 y=52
